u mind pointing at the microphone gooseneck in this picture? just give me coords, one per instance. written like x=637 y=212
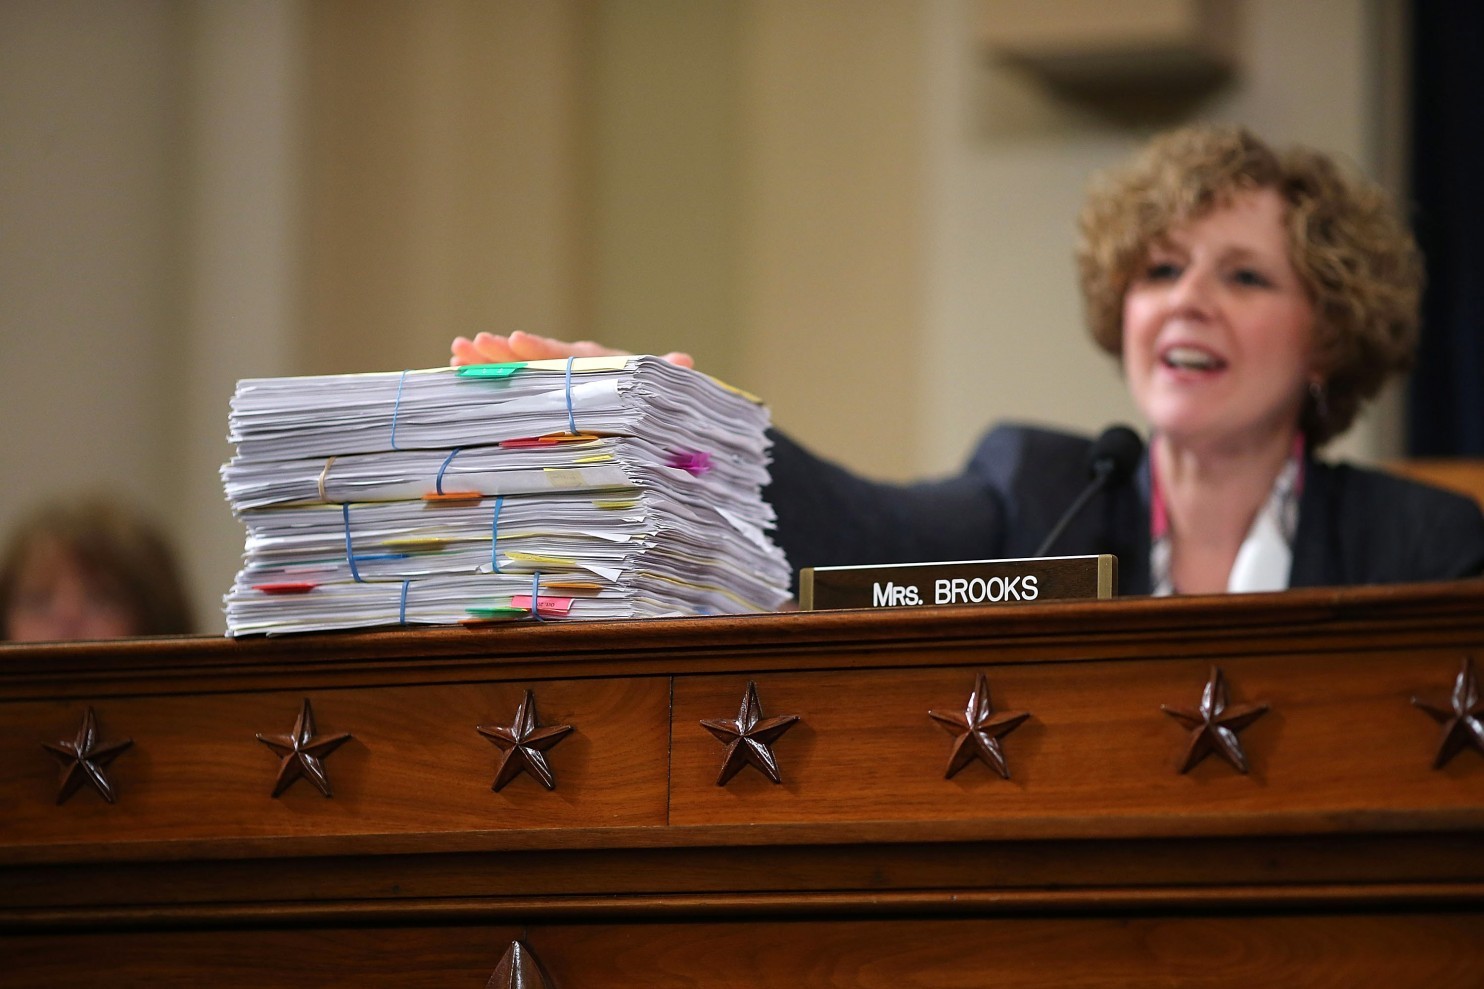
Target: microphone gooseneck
x=1111 y=460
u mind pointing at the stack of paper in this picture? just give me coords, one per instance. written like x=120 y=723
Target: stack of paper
x=589 y=488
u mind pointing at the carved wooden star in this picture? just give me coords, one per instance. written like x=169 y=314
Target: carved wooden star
x=524 y=744
x=518 y=969
x=979 y=731
x=1214 y=725
x=301 y=753
x=83 y=759
x=1462 y=718
x=748 y=738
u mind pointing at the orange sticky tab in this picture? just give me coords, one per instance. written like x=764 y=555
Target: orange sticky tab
x=550 y=439
x=544 y=606
x=286 y=587
x=451 y=497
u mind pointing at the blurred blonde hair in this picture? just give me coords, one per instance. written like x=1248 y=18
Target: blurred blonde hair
x=1354 y=255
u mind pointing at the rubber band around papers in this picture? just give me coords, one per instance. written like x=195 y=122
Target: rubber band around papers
x=324 y=476
x=402 y=608
x=495 y=534
x=571 y=418
x=536 y=592
x=438 y=482
x=350 y=556
x=396 y=406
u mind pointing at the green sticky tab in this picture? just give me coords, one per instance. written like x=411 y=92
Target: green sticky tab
x=491 y=370
x=492 y=614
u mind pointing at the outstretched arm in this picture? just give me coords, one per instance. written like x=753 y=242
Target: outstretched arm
x=495 y=348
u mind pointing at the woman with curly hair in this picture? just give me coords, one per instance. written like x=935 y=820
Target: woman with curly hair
x=1256 y=299
x=89 y=568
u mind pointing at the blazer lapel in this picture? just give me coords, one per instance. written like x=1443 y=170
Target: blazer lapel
x=1315 y=558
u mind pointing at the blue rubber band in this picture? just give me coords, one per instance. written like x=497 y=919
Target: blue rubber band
x=535 y=594
x=396 y=406
x=438 y=484
x=571 y=419
x=350 y=555
x=495 y=534
x=402 y=609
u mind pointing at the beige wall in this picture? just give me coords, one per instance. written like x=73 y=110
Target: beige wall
x=90 y=268
x=844 y=206
x=1011 y=159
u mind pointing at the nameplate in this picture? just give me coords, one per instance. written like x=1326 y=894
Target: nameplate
x=916 y=585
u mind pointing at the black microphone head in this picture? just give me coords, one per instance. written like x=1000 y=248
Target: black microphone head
x=1115 y=454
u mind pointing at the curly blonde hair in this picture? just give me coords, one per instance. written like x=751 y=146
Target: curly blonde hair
x=1353 y=253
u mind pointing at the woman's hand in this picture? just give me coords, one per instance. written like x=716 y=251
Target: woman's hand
x=494 y=348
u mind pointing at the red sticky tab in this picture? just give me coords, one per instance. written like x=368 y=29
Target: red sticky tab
x=544 y=605
x=286 y=587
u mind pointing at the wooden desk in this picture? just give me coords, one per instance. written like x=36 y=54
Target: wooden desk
x=1341 y=858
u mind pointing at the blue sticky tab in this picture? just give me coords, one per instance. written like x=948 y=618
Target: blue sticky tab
x=498 y=371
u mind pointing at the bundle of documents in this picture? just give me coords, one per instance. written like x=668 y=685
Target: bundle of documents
x=584 y=488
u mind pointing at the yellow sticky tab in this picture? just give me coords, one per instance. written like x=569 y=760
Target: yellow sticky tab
x=596 y=458
x=553 y=561
x=417 y=544
x=620 y=505
x=739 y=392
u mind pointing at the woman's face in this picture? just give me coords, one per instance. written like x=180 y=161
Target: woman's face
x=57 y=599
x=1218 y=330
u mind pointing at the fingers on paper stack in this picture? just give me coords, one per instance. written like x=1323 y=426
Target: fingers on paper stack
x=585 y=488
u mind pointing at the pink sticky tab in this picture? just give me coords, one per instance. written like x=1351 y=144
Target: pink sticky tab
x=544 y=606
x=693 y=462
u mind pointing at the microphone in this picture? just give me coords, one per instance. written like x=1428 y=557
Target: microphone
x=1113 y=457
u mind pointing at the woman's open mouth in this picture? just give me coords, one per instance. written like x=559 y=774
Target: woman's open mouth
x=1181 y=358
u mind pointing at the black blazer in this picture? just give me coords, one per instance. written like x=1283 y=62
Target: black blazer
x=1356 y=526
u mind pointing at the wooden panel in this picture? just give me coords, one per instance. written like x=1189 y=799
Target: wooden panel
x=1327 y=619
x=1341 y=748
x=415 y=764
x=1065 y=953
x=1462 y=474
x=1343 y=858
x=882 y=877
x=365 y=958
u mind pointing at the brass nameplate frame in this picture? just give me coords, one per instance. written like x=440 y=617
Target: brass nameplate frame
x=911 y=585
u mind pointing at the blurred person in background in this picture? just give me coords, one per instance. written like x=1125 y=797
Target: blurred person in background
x=90 y=568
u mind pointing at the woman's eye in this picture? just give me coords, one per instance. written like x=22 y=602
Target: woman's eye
x=1246 y=276
x=1161 y=271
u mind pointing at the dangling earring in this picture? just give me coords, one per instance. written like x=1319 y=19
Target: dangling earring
x=1316 y=393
